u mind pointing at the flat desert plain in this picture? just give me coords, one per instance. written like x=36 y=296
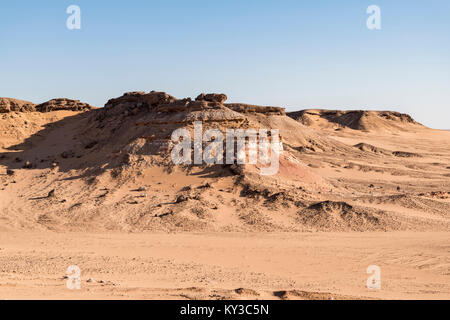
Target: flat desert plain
x=225 y=265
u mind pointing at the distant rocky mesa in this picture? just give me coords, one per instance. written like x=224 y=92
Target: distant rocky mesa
x=353 y=119
x=14 y=105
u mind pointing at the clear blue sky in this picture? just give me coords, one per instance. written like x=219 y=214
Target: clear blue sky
x=291 y=53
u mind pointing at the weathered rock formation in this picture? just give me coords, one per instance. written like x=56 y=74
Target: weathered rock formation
x=249 y=108
x=140 y=99
x=168 y=110
x=63 y=104
x=145 y=121
x=15 y=105
x=212 y=97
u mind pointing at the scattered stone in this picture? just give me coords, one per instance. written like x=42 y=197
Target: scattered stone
x=181 y=198
x=10 y=172
x=51 y=193
x=103 y=195
x=28 y=165
x=68 y=154
x=91 y=145
x=204 y=186
x=76 y=205
x=170 y=212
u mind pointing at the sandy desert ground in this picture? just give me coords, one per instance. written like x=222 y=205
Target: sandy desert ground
x=95 y=188
x=225 y=265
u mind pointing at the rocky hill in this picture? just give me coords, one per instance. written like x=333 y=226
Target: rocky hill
x=69 y=166
x=355 y=119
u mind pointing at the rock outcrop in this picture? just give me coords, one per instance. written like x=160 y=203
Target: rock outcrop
x=146 y=121
x=15 y=105
x=169 y=110
x=63 y=104
x=141 y=100
x=206 y=107
x=212 y=97
x=249 y=108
